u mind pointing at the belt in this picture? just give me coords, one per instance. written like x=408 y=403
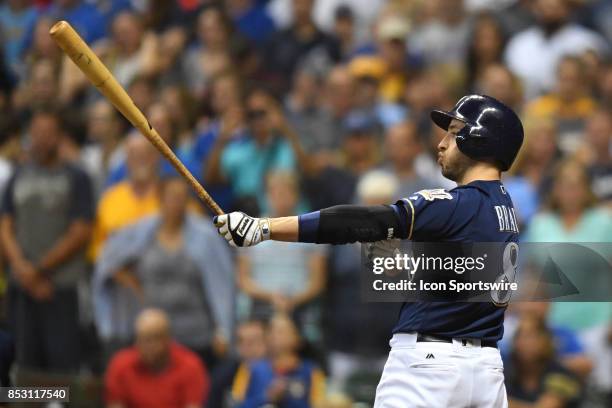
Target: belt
x=428 y=338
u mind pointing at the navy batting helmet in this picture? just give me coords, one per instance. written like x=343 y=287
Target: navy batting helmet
x=492 y=130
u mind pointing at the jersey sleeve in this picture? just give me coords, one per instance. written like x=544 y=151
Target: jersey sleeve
x=430 y=213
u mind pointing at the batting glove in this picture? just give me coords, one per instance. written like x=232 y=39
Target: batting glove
x=382 y=249
x=241 y=230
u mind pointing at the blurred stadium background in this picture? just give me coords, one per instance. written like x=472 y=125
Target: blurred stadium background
x=278 y=107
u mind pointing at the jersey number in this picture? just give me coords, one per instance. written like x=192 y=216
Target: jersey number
x=509 y=263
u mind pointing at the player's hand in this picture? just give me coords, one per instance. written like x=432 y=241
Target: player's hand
x=388 y=248
x=382 y=249
x=241 y=230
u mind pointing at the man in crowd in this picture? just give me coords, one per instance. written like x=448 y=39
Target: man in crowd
x=47 y=212
x=156 y=372
x=137 y=196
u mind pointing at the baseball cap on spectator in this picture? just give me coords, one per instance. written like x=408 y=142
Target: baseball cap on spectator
x=393 y=28
x=367 y=67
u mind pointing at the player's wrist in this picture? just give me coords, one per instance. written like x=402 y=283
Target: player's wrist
x=265 y=227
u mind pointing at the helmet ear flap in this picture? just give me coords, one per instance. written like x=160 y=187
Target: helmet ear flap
x=474 y=141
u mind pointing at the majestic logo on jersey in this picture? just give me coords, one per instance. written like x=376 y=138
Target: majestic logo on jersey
x=433 y=194
x=506 y=218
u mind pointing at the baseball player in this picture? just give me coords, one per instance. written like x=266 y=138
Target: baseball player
x=443 y=354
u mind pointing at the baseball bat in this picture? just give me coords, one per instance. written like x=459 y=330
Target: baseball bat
x=79 y=52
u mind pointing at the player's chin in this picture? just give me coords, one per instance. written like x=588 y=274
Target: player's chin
x=449 y=173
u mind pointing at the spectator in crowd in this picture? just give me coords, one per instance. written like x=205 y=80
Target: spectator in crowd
x=596 y=154
x=47 y=212
x=391 y=35
x=499 y=82
x=156 y=371
x=338 y=101
x=365 y=12
x=443 y=39
x=306 y=114
x=360 y=145
x=485 y=49
x=142 y=90
x=553 y=37
x=243 y=162
x=132 y=51
x=211 y=55
x=302 y=41
x=182 y=108
x=283 y=378
x=250 y=347
x=353 y=351
x=573 y=216
x=137 y=196
x=568 y=347
x=82 y=15
x=17 y=20
x=227 y=114
x=160 y=262
x=42 y=45
x=344 y=29
x=104 y=152
x=263 y=275
x=39 y=90
x=568 y=105
x=159 y=117
x=598 y=346
x=402 y=146
x=368 y=72
x=251 y=20
x=529 y=178
x=533 y=375
x=427 y=89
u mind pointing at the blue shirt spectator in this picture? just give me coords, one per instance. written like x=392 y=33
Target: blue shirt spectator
x=86 y=19
x=16 y=22
x=253 y=21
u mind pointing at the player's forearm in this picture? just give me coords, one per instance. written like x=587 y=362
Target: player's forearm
x=341 y=224
x=284 y=229
x=345 y=224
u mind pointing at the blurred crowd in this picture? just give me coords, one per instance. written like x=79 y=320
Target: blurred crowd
x=114 y=279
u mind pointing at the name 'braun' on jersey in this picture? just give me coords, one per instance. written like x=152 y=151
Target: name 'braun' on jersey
x=480 y=211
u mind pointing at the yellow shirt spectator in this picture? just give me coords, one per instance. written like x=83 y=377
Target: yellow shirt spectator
x=552 y=106
x=120 y=206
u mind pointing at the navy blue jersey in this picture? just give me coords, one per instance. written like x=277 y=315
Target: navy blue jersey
x=480 y=211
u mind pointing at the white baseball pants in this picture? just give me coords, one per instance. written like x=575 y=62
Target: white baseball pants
x=441 y=375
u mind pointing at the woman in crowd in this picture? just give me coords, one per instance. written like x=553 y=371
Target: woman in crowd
x=284 y=378
x=163 y=262
x=279 y=277
x=533 y=376
x=572 y=216
x=529 y=178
